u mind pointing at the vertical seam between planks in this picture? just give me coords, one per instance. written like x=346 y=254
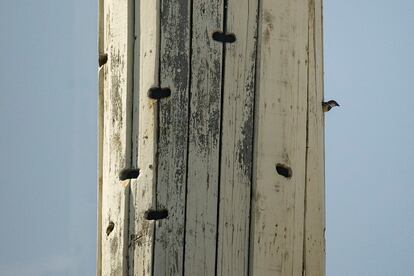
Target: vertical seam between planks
x=256 y=83
x=126 y=228
x=223 y=68
x=322 y=91
x=132 y=90
x=307 y=138
x=131 y=35
x=190 y=57
x=157 y=134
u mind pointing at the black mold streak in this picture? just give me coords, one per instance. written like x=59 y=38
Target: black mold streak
x=172 y=134
x=268 y=25
x=115 y=94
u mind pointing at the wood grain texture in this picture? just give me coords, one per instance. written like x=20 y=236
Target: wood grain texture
x=237 y=140
x=133 y=237
x=116 y=137
x=100 y=170
x=281 y=114
x=209 y=152
x=173 y=133
x=143 y=189
x=314 y=243
x=204 y=139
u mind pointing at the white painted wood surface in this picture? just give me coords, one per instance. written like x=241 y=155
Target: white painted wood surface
x=208 y=153
x=281 y=122
x=141 y=231
x=100 y=172
x=237 y=139
x=116 y=135
x=134 y=237
x=204 y=139
x=314 y=244
x=173 y=133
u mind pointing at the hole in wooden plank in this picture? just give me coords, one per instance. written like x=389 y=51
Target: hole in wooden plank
x=284 y=170
x=110 y=228
x=103 y=58
x=156 y=214
x=125 y=174
x=224 y=37
x=157 y=93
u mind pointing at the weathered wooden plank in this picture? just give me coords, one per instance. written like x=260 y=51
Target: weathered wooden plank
x=116 y=138
x=281 y=109
x=173 y=132
x=143 y=190
x=237 y=139
x=204 y=139
x=214 y=126
x=134 y=132
x=100 y=172
x=314 y=243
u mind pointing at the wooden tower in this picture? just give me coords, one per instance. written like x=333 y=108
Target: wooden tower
x=211 y=138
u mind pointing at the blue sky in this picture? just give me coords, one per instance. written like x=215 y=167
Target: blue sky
x=369 y=67
x=48 y=109
x=48 y=137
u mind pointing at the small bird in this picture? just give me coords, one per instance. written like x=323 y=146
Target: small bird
x=326 y=106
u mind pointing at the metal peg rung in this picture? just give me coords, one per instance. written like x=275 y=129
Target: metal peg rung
x=156 y=214
x=224 y=37
x=103 y=58
x=284 y=170
x=125 y=174
x=157 y=93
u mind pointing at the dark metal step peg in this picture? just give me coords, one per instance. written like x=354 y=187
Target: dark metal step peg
x=103 y=58
x=157 y=93
x=284 y=170
x=156 y=214
x=224 y=37
x=125 y=174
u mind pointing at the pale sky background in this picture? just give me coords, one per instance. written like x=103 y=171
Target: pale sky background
x=48 y=70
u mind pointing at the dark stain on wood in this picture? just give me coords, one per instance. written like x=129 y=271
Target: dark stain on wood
x=172 y=136
x=268 y=19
